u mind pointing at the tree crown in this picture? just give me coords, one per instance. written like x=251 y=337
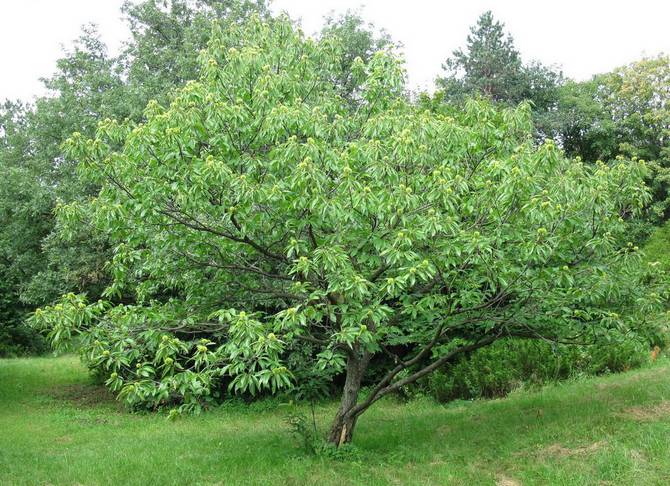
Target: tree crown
x=260 y=207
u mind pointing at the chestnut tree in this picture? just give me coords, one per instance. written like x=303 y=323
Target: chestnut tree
x=263 y=211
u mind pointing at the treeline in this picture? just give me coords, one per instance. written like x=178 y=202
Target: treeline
x=624 y=113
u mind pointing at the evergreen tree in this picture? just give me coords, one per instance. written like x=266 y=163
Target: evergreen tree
x=491 y=66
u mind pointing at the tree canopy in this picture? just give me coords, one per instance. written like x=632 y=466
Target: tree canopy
x=623 y=113
x=358 y=40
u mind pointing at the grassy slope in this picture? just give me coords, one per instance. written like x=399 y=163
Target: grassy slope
x=657 y=247
x=612 y=430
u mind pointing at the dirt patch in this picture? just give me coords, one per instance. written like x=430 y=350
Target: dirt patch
x=649 y=413
x=558 y=450
x=502 y=480
x=82 y=395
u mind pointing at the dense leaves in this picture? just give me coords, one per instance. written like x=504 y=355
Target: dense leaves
x=620 y=114
x=35 y=175
x=358 y=40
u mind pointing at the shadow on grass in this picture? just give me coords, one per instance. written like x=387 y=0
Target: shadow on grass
x=83 y=395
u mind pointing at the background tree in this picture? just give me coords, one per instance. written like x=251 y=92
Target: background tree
x=581 y=122
x=491 y=66
x=358 y=39
x=38 y=262
x=621 y=113
x=18 y=207
x=259 y=212
x=167 y=36
x=638 y=98
x=85 y=87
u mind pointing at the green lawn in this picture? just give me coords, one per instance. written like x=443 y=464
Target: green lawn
x=56 y=428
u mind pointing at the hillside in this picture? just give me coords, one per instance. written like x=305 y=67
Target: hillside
x=58 y=428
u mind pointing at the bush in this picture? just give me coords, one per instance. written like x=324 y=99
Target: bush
x=508 y=364
x=16 y=339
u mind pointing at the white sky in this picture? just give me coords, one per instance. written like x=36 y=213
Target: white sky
x=584 y=37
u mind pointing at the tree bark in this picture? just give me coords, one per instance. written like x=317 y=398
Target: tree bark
x=342 y=430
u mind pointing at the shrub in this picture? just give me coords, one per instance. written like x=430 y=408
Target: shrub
x=17 y=339
x=511 y=363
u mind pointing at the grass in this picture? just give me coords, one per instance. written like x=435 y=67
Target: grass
x=57 y=428
x=656 y=248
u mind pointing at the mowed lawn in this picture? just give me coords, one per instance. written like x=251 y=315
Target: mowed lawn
x=57 y=428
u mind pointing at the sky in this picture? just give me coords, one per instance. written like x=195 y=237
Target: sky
x=582 y=37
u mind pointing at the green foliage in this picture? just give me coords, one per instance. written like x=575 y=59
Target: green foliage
x=358 y=40
x=17 y=339
x=144 y=361
x=638 y=99
x=581 y=122
x=36 y=176
x=624 y=113
x=38 y=261
x=167 y=37
x=306 y=432
x=510 y=364
x=657 y=248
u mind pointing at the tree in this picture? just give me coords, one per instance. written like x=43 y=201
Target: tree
x=167 y=36
x=638 y=98
x=490 y=66
x=37 y=262
x=581 y=122
x=622 y=113
x=259 y=211
x=19 y=205
x=36 y=174
x=358 y=39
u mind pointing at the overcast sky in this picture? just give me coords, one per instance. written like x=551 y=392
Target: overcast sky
x=583 y=37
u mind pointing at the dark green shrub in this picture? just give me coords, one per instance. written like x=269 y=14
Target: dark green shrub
x=496 y=370
x=16 y=339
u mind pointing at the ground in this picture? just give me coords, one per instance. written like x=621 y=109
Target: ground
x=57 y=428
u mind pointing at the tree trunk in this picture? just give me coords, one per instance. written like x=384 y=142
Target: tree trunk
x=342 y=429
